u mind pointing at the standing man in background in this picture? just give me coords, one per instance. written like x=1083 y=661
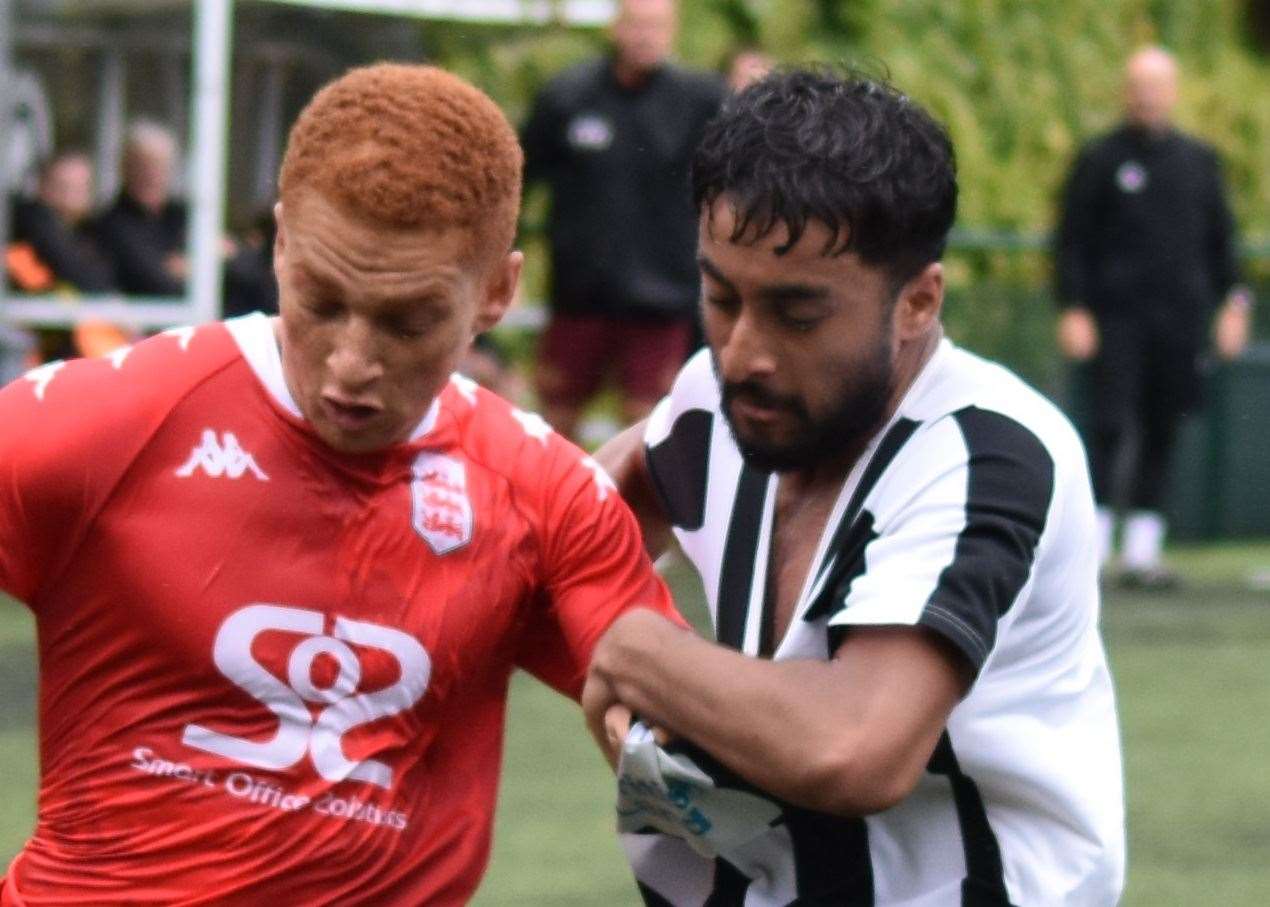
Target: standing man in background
x=1146 y=253
x=612 y=139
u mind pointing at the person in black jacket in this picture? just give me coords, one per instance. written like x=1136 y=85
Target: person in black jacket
x=51 y=227
x=612 y=138
x=1146 y=255
x=53 y=250
x=144 y=231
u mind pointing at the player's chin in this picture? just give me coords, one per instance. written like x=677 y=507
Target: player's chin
x=768 y=456
x=369 y=439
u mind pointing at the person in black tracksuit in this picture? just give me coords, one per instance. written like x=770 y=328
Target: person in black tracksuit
x=612 y=139
x=1146 y=254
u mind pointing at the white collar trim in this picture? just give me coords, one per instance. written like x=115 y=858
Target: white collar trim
x=255 y=337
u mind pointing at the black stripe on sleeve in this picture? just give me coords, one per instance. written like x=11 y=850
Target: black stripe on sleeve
x=740 y=551
x=730 y=886
x=1009 y=486
x=679 y=467
x=984 y=884
x=650 y=897
x=831 y=859
x=832 y=866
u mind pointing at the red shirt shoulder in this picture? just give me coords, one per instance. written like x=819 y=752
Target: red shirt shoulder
x=70 y=431
x=594 y=567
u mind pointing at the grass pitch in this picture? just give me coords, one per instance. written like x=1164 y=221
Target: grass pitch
x=1193 y=679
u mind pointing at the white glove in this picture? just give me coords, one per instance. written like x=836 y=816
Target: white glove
x=670 y=792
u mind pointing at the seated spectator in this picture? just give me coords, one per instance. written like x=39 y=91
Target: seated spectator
x=53 y=251
x=51 y=248
x=143 y=232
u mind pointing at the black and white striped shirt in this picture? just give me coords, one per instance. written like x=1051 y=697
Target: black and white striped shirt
x=970 y=513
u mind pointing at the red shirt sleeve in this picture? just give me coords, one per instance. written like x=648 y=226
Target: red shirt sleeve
x=49 y=473
x=596 y=569
x=68 y=431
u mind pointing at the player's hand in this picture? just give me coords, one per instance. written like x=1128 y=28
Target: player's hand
x=1232 y=327
x=1077 y=334
x=617 y=723
x=598 y=701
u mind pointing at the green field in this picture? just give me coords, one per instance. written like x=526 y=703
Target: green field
x=1193 y=673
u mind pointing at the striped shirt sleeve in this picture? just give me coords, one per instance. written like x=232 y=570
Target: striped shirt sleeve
x=947 y=537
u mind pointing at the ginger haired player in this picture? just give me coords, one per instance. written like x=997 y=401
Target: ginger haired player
x=282 y=569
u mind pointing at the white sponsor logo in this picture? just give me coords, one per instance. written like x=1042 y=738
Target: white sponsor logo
x=183 y=336
x=224 y=457
x=265 y=793
x=534 y=425
x=440 y=510
x=465 y=386
x=1131 y=177
x=298 y=731
x=41 y=376
x=590 y=132
x=119 y=356
x=603 y=483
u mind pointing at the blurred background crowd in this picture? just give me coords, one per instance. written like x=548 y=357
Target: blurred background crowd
x=610 y=97
x=1049 y=105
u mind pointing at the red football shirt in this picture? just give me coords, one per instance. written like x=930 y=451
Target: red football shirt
x=271 y=670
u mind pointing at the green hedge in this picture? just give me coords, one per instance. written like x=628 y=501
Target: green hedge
x=1020 y=86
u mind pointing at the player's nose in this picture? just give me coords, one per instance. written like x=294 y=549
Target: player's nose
x=746 y=351
x=355 y=360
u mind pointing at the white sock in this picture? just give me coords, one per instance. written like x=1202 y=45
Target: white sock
x=1143 y=539
x=1104 y=529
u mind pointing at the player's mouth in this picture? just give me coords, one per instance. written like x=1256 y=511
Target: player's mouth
x=347 y=415
x=754 y=411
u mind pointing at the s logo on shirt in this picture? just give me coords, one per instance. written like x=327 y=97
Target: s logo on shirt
x=298 y=731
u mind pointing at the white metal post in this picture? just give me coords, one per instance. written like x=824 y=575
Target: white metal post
x=111 y=78
x=212 y=23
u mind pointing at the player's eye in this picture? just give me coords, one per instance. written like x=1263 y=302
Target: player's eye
x=723 y=303
x=406 y=331
x=801 y=325
x=323 y=309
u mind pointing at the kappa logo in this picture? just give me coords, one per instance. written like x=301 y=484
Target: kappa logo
x=224 y=457
x=345 y=708
x=440 y=509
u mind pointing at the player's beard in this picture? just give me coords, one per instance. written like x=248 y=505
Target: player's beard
x=859 y=409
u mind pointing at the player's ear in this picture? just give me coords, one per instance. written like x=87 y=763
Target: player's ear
x=499 y=292
x=279 y=240
x=920 y=302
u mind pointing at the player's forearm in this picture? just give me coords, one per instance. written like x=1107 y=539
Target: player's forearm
x=781 y=725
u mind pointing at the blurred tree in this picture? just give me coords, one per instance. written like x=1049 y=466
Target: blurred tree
x=1019 y=85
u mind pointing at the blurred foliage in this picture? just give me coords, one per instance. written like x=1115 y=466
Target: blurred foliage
x=1019 y=85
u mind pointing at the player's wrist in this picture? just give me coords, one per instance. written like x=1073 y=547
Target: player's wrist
x=1240 y=299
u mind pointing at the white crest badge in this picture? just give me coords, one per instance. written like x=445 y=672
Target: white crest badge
x=440 y=509
x=590 y=132
x=1131 y=177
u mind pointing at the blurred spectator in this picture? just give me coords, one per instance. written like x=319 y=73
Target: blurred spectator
x=612 y=138
x=54 y=251
x=249 y=282
x=486 y=363
x=144 y=230
x=1146 y=253
x=51 y=247
x=746 y=66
